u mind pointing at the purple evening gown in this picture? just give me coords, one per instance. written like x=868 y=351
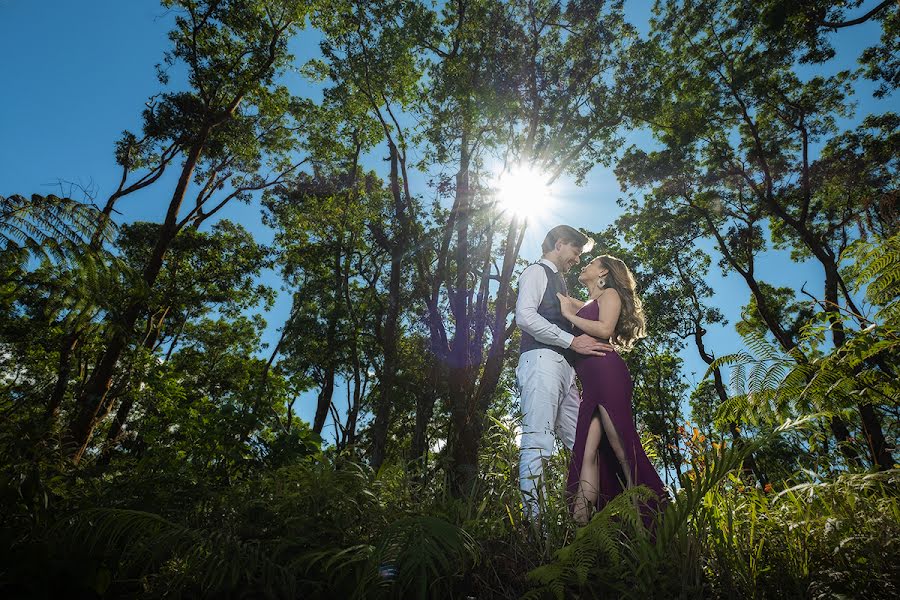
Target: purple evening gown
x=605 y=382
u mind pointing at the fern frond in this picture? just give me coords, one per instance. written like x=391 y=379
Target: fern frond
x=423 y=551
x=49 y=226
x=878 y=269
x=728 y=360
x=597 y=546
x=763 y=350
x=738 y=378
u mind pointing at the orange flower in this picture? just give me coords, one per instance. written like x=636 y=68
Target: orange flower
x=768 y=489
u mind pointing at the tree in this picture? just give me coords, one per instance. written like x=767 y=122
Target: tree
x=232 y=123
x=668 y=247
x=202 y=409
x=202 y=273
x=808 y=25
x=332 y=261
x=372 y=61
x=741 y=122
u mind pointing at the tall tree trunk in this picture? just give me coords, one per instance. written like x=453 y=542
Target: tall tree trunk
x=63 y=372
x=425 y=401
x=326 y=392
x=388 y=377
x=879 y=452
x=93 y=399
x=121 y=416
x=71 y=340
x=503 y=305
x=324 y=398
x=353 y=409
x=467 y=422
x=349 y=430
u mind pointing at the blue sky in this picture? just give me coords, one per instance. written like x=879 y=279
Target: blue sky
x=76 y=74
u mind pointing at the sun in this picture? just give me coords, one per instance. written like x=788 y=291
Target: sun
x=523 y=192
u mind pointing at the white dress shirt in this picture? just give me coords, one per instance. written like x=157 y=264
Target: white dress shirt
x=532 y=285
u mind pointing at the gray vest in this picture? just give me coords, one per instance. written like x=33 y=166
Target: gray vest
x=549 y=309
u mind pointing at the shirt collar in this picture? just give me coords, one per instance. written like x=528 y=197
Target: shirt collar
x=549 y=264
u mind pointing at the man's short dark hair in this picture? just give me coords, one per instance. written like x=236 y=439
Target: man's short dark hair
x=566 y=235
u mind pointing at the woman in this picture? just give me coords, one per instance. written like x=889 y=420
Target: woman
x=607 y=456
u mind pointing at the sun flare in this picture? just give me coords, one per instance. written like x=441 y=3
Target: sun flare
x=523 y=192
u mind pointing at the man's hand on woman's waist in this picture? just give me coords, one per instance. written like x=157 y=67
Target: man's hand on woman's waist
x=590 y=346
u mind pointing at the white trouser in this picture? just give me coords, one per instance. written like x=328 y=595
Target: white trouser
x=549 y=401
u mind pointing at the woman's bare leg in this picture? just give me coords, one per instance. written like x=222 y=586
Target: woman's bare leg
x=618 y=449
x=589 y=483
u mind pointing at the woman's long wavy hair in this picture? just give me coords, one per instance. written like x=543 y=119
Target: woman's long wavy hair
x=631 y=325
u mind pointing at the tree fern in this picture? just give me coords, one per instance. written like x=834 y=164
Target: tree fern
x=48 y=226
x=877 y=269
x=774 y=384
x=52 y=232
x=423 y=551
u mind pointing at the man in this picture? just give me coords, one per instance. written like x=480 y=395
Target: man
x=548 y=396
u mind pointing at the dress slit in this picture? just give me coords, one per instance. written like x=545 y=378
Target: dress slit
x=600 y=411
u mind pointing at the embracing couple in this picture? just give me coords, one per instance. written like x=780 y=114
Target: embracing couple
x=562 y=337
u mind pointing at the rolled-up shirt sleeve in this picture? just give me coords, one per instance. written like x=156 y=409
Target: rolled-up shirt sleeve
x=532 y=285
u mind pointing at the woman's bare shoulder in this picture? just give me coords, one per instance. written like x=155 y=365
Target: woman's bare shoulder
x=610 y=297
